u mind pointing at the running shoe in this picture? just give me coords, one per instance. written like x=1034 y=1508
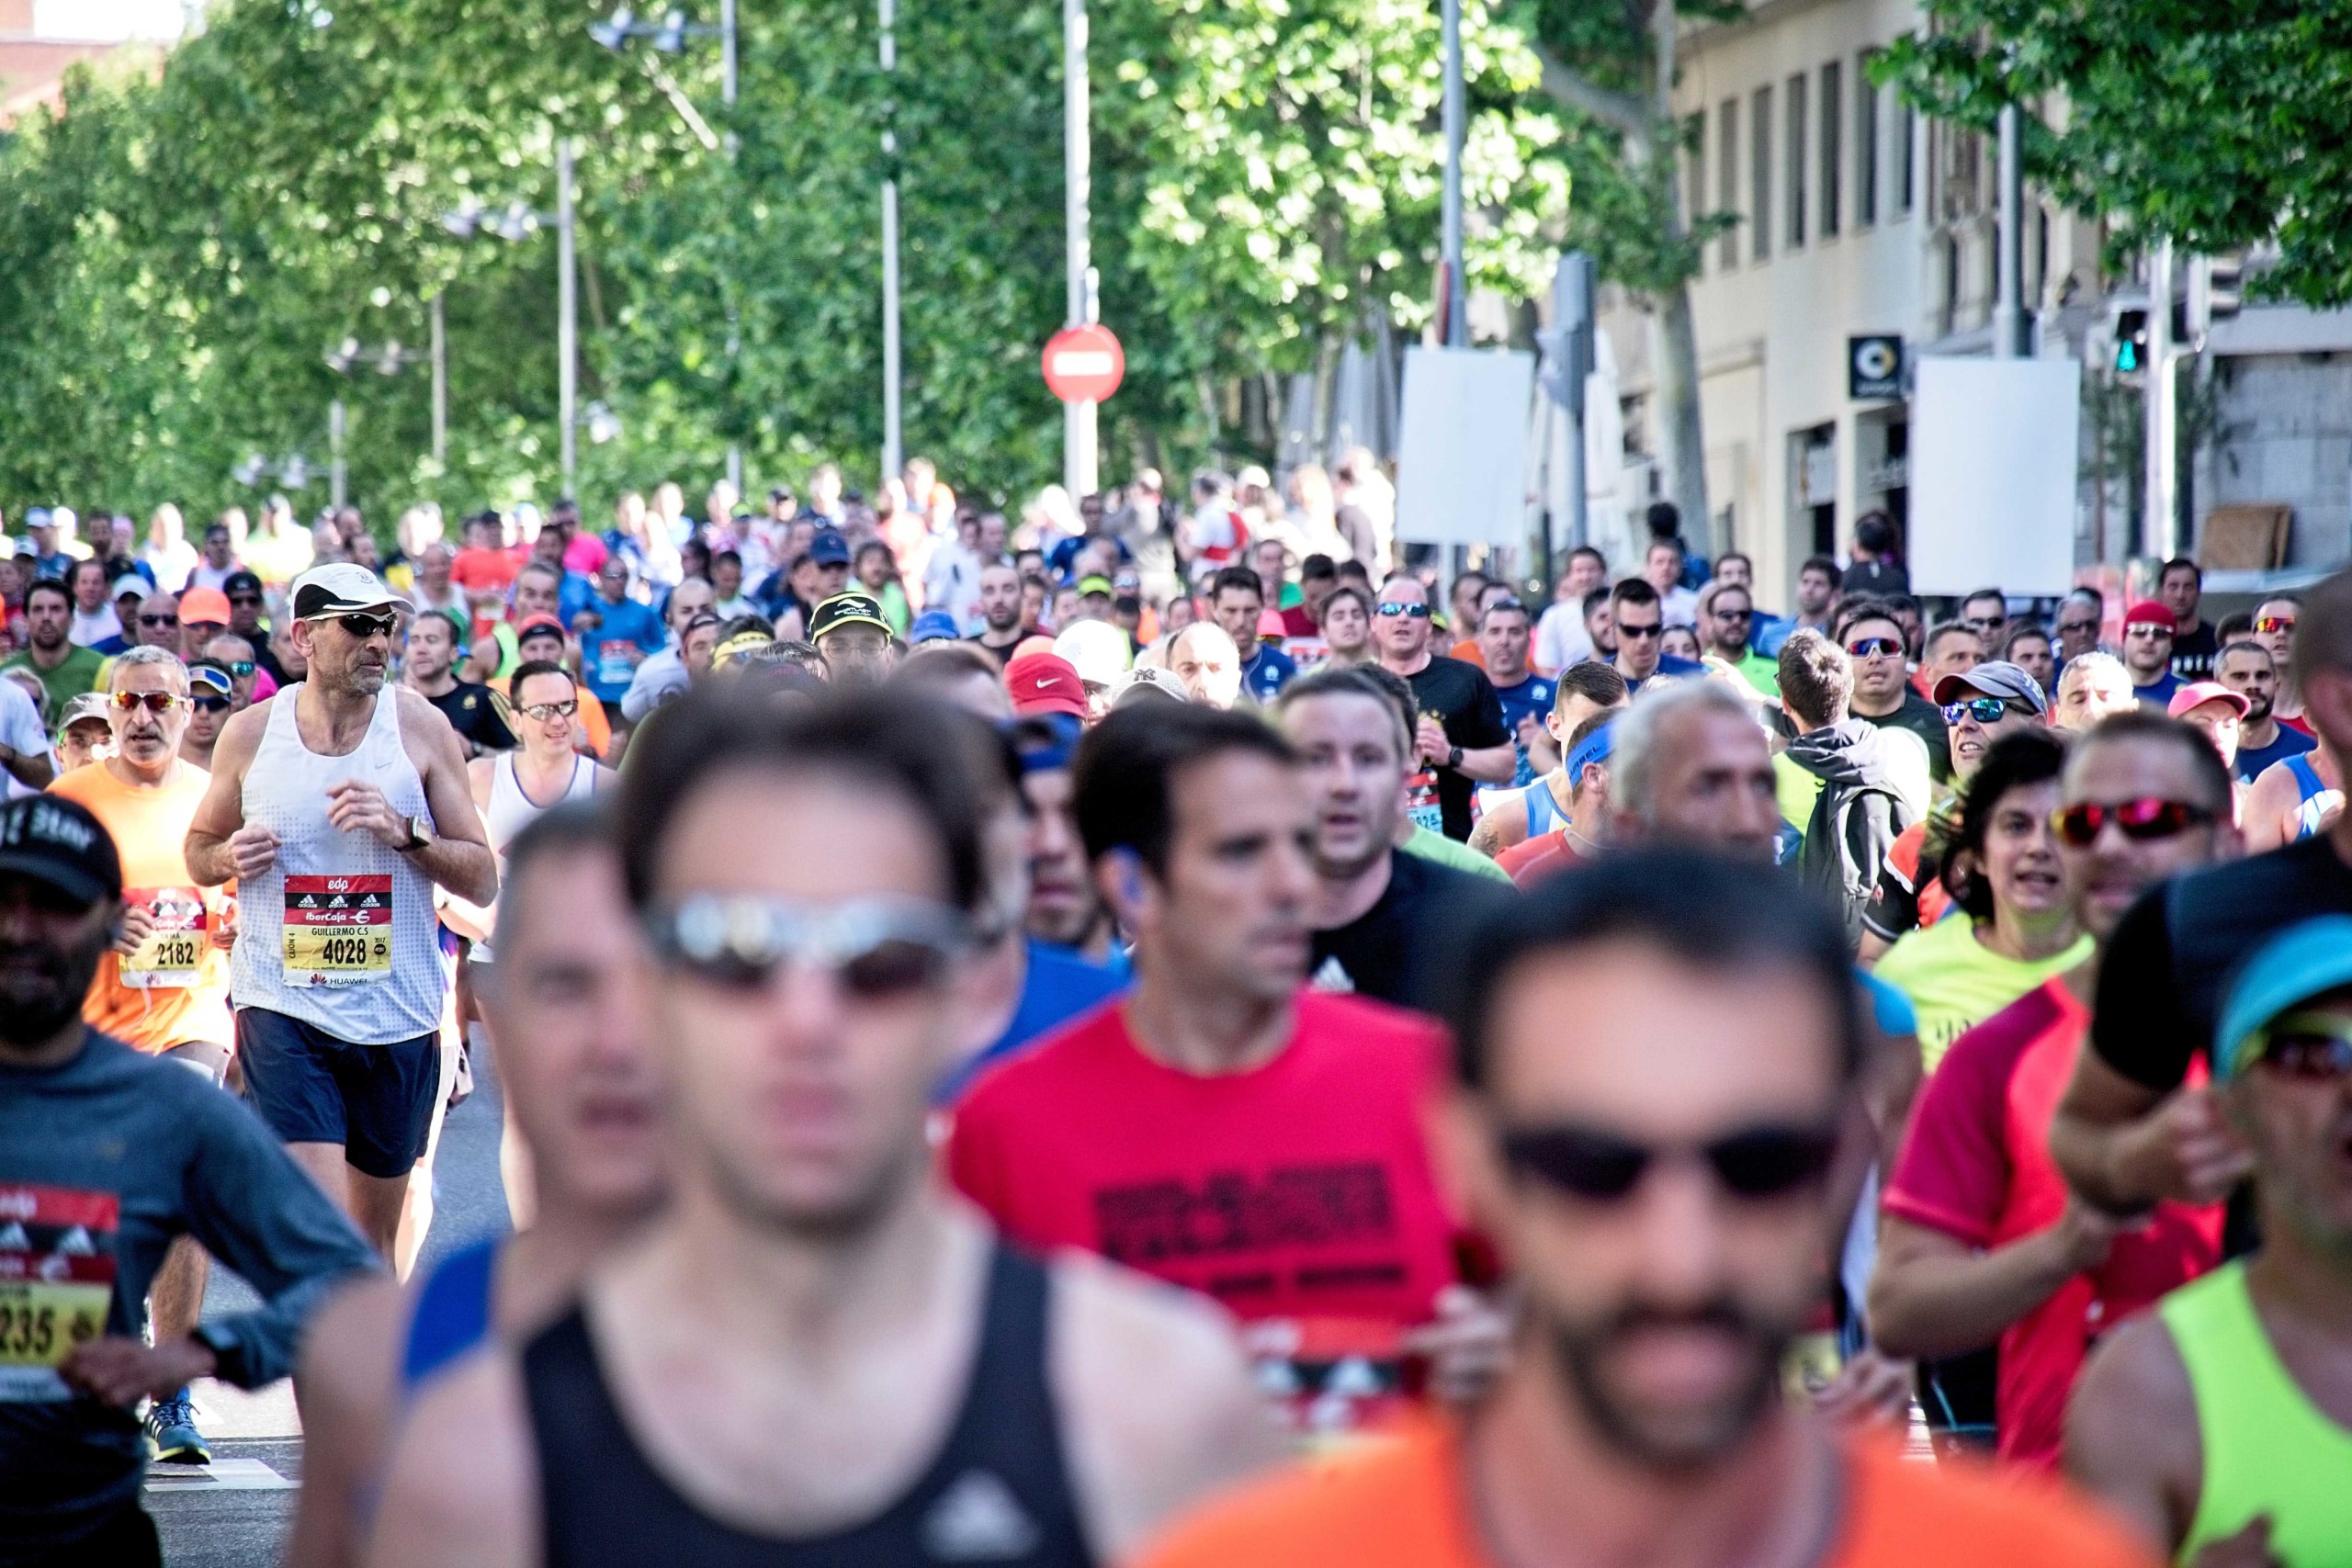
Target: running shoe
x=172 y=1437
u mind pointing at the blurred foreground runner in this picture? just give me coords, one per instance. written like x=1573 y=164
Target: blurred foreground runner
x=819 y=1356
x=1651 y=1087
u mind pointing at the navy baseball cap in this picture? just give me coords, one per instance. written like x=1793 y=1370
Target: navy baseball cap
x=828 y=548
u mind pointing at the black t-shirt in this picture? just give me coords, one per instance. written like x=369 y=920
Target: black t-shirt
x=1393 y=950
x=266 y=660
x=473 y=712
x=980 y=641
x=2193 y=652
x=2170 y=963
x=1460 y=697
x=1925 y=720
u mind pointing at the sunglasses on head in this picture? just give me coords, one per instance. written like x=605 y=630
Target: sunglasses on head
x=2267 y=625
x=2308 y=1045
x=2149 y=816
x=544 y=711
x=1876 y=648
x=1411 y=612
x=1601 y=1167
x=1984 y=710
x=153 y=702
x=877 y=949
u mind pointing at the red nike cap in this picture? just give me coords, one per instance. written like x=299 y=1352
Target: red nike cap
x=1045 y=683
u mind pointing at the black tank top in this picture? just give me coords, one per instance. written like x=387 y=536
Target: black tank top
x=997 y=1491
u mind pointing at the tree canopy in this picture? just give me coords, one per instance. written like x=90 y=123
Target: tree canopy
x=184 y=246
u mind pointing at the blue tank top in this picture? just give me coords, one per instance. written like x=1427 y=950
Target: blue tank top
x=1542 y=811
x=452 y=1315
x=2316 y=797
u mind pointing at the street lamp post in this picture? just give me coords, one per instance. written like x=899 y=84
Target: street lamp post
x=518 y=221
x=1456 y=297
x=387 y=359
x=893 y=431
x=1080 y=465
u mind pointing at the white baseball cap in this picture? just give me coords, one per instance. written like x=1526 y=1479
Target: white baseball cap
x=339 y=588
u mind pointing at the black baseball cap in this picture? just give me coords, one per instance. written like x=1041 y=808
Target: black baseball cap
x=57 y=841
x=847 y=610
x=240 y=582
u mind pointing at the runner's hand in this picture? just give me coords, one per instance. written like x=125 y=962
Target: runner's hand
x=137 y=925
x=2185 y=1150
x=2086 y=1234
x=224 y=925
x=118 y=1370
x=252 y=848
x=357 y=806
x=1870 y=1387
x=1466 y=1347
x=1429 y=739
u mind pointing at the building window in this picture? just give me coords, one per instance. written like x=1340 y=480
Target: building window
x=1694 y=169
x=1759 y=163
x=1727 y=176
x=1833 y=146
x=1906 y=131
x=1865 y=145
x=1796 y=161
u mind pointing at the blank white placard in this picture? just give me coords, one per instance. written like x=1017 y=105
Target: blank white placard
x=1995 y=448
x=1462 y=456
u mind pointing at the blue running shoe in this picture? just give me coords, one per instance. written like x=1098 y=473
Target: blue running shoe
x=172 y=1437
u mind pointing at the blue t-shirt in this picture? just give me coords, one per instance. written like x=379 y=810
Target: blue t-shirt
x=1060 y=985
x=1267 y=671
x=2158 y=697
x=1532 y=698
x=627 y=622
x=2252 y=760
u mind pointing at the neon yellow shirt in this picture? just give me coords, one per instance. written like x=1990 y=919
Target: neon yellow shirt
x=1956 y=982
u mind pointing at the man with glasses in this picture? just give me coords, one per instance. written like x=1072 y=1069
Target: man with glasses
x=2147 y=654
x=2274 y=629
x=1883 y=690
x=210 y=697
x=2248 y=669
x=235 y=655
x=429 y=667
x=2181 y=588
x=2216 y=1424
x=157 y=623
x=1650 y=1089
x=162 y=987
x=2079 y=617
x=1986 y=613
x=1726 y=614
x=1980 y=705
x=1638 y=619
x=820 y=1349
x=1461 y=737
x=338 y=805
x=1982 y=1243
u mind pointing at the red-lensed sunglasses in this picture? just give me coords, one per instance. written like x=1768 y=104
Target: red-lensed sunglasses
x=2149 y=816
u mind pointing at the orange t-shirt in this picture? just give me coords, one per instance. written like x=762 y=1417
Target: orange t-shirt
x=1395 y=1502
x=176 y=987
x=1467 y=651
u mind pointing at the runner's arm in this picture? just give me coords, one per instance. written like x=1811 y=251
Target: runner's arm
x=346 y=1378
x=462 y=1490
x=1933 y=1295
x=2132 y=1435
x=458 y=858
x=1504 y=823
x=31 y=768
x=222 y=813
x=2267 y=811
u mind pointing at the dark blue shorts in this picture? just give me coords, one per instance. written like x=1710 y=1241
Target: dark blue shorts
x=376 y=1101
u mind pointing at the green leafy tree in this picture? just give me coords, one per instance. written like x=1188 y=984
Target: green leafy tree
x=2219 y=125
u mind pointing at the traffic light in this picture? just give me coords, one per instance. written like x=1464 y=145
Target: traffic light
x=2130 y=330
x=2216 y=292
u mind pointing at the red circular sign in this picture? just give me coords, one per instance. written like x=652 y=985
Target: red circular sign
x=1085 y=364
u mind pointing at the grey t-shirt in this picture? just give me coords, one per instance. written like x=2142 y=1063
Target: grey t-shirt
x=103 y=1161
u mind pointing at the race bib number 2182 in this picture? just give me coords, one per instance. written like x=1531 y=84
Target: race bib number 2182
x=338 y=929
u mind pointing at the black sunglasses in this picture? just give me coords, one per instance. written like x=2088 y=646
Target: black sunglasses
x=1601 y=1167
x=1654 y=629
x=365 y=626
x=159 y=620
x=210 y=705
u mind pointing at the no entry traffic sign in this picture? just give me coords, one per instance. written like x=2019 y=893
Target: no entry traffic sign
x=1085 y=364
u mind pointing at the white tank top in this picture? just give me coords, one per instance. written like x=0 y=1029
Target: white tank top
x=511 y=810
x=339 y=932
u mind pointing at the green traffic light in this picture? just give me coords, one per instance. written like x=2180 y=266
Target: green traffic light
x=2127 y=357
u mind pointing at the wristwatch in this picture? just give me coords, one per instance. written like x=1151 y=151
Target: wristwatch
x=1453 y=757
x=419 y=834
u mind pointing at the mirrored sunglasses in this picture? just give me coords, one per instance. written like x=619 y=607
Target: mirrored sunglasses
x=2147 y=817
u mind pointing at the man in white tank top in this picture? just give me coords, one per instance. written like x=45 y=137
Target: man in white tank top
x=337 y=805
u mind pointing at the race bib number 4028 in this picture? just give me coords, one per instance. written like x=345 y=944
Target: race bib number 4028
x=56 y=1283
x=338 y=929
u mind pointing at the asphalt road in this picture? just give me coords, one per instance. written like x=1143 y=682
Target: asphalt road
x=236 y=1514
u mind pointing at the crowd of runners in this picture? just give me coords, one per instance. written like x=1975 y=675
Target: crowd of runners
x=1171 y=1030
